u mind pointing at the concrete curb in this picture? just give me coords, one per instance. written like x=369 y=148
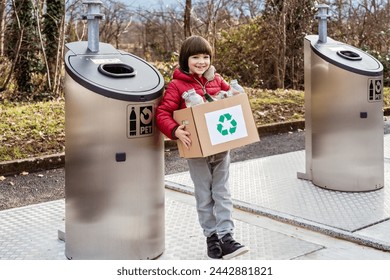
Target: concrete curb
x=32 y=164
x=41 y=163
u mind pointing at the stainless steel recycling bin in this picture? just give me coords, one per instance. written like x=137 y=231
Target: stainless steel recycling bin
x=343 y=116
x=114 y=160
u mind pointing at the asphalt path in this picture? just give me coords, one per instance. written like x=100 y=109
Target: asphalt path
x=267 y=146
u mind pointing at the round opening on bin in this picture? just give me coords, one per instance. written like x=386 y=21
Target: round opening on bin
x=117 y=70
x=349 y=55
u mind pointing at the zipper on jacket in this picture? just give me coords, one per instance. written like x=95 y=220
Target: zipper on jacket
x=207 y=96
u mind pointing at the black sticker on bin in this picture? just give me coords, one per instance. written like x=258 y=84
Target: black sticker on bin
x=120 y=157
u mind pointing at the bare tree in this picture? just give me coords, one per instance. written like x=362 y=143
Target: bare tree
x=187 y=18
x=75 y=28
x=245 y=10
x=3 y=5
x=53 y=30
x=117 y=21
x=208 y=16
x=270 y=43
x=37 y=15
x=161 y=30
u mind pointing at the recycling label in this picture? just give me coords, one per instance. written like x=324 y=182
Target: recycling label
x=139 y=120
x=226 y=125
x=375 y=90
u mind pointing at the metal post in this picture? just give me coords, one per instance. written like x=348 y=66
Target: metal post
x=93 y=16
x=322 y=16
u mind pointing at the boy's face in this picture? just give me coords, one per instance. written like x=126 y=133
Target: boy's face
x=198 y=63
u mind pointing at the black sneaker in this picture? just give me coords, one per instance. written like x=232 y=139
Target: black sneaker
x=214 y=250
x=231 y=248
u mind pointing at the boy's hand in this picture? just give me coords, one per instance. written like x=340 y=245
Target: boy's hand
x=183 y=136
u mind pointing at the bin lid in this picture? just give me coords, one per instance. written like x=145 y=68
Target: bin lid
x=346 y=56
x=113 y=73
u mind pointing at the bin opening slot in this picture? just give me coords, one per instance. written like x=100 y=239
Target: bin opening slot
x=117 y=70
x=349 y=55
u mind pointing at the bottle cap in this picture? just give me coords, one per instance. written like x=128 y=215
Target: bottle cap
x=185 y=94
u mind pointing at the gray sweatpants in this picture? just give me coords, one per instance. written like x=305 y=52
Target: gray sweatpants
x=213 y=199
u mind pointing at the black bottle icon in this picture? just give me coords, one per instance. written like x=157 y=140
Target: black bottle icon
x=371 y=91
x=133 y=123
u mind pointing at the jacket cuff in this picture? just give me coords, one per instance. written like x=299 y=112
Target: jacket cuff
x=173 y=136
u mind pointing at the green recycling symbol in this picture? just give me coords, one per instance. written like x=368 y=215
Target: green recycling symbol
x=225 y=120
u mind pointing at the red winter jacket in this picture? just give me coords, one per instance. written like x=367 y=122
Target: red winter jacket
x=173 y=101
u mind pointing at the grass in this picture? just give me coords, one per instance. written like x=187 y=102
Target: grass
x=273 y=106
x=31 y=129
x=36 y=129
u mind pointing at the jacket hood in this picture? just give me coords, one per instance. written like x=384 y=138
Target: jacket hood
x=209 y=75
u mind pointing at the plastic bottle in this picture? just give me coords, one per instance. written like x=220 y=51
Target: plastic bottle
x=224 y=94
x=236 y=87
x=192 y=98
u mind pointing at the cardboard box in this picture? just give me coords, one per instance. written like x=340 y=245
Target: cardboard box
x=217 y=126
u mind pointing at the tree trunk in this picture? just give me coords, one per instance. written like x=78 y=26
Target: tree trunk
x=187 y=19
x=282 y=56
x=2 y=25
